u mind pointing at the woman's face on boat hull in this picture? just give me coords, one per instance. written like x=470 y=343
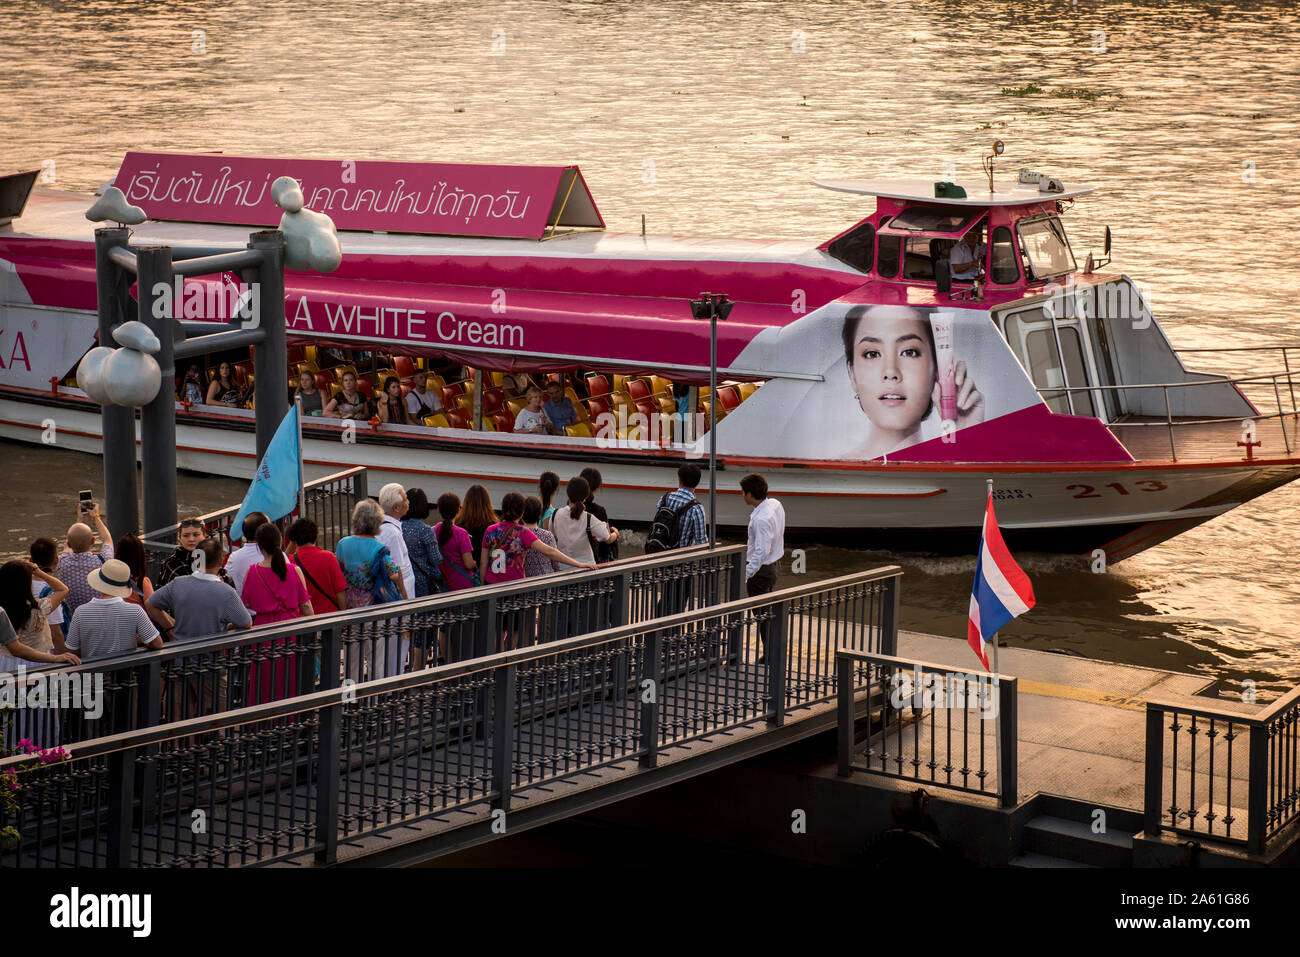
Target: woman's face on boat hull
x=892 y=367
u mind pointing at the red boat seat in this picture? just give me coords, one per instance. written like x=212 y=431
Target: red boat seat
x=729 y=396
x=493 y=401
x=505 y=422
x=647 y=407
x=597 y=385
x=457 y=418
x=638 y=389
x=598 y=406
x=295 y=353
x=365 y=387
x=243 y=373
x=323 y=381
x=404 y=365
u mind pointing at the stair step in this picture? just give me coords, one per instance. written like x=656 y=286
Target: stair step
x=1075 y=840
x=1042 y=860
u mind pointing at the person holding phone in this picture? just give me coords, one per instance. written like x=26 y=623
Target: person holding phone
x=77 y=560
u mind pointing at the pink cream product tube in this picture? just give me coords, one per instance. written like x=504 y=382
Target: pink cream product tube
x=946 y=366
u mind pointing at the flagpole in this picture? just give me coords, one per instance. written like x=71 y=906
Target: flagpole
x=997 y=715
x=297 y=402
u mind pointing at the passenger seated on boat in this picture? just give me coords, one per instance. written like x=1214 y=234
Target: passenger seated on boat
x=313 y=403
x=515 y=385
x=532 y=418
x=224 y=390
x=391 y=405
x=191 y=391
x=966 y=257
x=421 y=400
x=349 y=403
x=559 y=408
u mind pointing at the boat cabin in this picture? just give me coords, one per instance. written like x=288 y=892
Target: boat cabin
x=1016 y=231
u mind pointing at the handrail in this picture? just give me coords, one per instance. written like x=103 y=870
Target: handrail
x=315 y=700
x=152 y=537
x=1262 y=377
x=287 y=779
x=1272 y=785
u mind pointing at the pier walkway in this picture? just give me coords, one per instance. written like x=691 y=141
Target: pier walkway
x=404 y=769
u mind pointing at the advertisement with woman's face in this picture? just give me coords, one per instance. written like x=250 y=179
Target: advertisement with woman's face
x=882 y=379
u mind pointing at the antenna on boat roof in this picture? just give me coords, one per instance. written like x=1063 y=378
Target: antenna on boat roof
x=643 y=224
x=998 y=149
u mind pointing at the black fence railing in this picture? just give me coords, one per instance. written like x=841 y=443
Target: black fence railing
x=328 y=501
x=1221 y=775
x=275 y=781
x=239 y=669
x=929 y=723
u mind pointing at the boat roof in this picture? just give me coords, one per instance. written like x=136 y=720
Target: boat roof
x=977 y=191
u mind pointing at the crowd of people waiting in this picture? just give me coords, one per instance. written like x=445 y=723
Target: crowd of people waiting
x=85 y=603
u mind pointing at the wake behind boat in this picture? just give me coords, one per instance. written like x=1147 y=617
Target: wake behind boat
x=877 y=380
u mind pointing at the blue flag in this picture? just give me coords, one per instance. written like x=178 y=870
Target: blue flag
x=279 y=477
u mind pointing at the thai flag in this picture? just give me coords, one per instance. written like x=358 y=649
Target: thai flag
x=1001 y=591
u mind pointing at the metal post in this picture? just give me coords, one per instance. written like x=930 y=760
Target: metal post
x=1169 y=424
x=121 y=781
x=270 y=360
x=330 y=737
x=117 y=423
x=1007 y=732
x=503 y=727
x=649 y=689
x=1257 y=789
x=844 y=693
x=158 y=418
x=478 y=400
x=713 y=423
x=889 y=609
x=776 y=654
x=1155 y=767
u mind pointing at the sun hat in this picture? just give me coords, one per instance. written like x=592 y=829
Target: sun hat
x=113 y=578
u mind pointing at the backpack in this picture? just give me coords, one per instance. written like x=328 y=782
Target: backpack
x=666 y=526
x=384 y=589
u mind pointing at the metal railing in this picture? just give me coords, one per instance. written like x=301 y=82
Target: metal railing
x=237 y=669
x=1225 y=776
x=283 y=779
x=1171 y=424
x=327 y=501
x=929 y=723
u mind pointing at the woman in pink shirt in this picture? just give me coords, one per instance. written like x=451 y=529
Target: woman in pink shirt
x=457 y=550
x=504 y=546
x=275 y=591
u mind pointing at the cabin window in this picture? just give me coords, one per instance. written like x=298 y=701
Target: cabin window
x=889 y=256
x=1032 y=337
x=1045 y=249
x=856 y=248
x=934 y=219
x=1004 y=257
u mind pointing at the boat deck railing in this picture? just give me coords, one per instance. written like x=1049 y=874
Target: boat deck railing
x=1274 y=425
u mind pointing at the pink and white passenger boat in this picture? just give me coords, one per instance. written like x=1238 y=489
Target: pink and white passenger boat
x=876 y=380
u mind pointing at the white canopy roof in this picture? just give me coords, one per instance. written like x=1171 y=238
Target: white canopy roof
x=977 y=191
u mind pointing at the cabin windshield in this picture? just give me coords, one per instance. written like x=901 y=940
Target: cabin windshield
x=1045 y=249
x=946 y=220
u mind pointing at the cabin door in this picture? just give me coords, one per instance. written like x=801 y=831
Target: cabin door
x=1057 y=353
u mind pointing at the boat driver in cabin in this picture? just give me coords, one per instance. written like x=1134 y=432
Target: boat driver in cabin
x=966 y=256
x=890 y=355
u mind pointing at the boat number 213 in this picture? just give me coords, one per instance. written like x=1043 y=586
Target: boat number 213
x=1145 y=485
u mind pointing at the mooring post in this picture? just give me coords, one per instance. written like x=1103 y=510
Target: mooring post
x=121 y=510
x=270 y=361
x=158 y=418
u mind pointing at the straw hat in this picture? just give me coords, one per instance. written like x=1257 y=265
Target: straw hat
x=113 y=578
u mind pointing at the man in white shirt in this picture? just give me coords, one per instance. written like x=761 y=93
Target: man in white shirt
x=966 y=256
x=392 y=499
x=245 y=557
x=532 y=418
x=766 y=544
x=420 y=401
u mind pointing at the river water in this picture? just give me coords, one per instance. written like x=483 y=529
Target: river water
x=710 y=119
